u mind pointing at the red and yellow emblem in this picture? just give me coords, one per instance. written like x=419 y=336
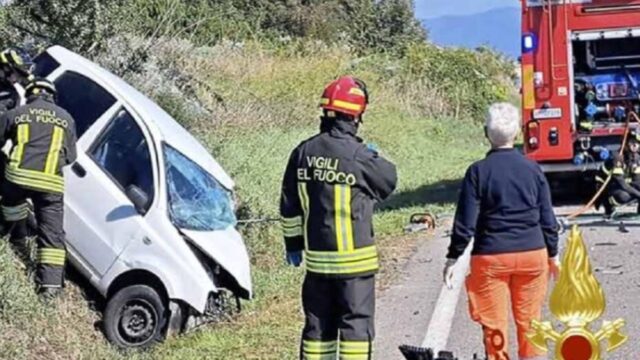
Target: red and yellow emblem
x=577 y=300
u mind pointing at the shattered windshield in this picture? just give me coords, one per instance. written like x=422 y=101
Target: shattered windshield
x=197 y=201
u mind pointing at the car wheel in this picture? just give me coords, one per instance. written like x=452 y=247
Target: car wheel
x=135 y=317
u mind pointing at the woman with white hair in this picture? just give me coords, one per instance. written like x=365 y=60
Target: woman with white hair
x=505 y=206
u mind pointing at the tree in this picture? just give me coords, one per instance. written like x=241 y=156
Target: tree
x=85 y=25
x=80 y=25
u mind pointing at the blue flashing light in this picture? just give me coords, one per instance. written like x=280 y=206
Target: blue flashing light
x=604 y=154
x=579 y=159
x=529 y=43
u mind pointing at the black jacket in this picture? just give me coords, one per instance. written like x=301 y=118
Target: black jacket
x=505 y=204
x=622 y=172
x=330 y=186
x=44 y=140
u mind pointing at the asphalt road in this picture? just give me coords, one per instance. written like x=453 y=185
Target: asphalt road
x=406 y=308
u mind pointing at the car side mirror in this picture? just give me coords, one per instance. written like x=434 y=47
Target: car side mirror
x=139 y=198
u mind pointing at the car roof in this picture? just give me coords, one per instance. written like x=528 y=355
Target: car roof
x=153 y=115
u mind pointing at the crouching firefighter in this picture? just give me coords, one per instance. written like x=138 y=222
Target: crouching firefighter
x=44 y=140
x=624 y=186
x=331 y=184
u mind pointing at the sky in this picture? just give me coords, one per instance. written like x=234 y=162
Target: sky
x=426 y=9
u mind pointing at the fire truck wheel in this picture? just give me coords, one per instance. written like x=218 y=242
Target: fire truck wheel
x=135 y=317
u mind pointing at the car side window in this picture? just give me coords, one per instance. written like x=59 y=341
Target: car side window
x=85 y=100
x=122 y=151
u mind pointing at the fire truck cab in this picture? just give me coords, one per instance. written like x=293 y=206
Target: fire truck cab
x=580 y=81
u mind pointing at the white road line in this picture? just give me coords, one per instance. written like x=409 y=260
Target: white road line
x=442 y=318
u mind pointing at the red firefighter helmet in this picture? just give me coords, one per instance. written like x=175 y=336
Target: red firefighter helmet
x=346 y=95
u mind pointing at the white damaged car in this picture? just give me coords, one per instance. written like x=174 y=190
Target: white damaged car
x=149 y=213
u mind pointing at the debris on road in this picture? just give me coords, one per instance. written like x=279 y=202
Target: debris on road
x=419 y=353
x=612 y=272
x=623 y=221
x=421 y=222
x=608 y=271
x=606 y=244
x=622 y=228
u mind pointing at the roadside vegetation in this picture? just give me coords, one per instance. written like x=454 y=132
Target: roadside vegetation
x=245 y=77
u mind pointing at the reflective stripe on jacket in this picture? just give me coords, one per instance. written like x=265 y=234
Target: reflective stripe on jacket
x=330 y=186
x=44 y=140
x=620 y=177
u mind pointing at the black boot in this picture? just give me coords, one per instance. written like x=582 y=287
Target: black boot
x=21 y=249
x=4 y=229
x=49 y=294
x=599 y=202
x=608 y=210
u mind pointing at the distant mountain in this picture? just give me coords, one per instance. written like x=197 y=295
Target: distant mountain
x=427 y=9
x=498 y=28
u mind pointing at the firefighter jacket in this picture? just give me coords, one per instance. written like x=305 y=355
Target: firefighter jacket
x=633 y=168
x=9 y=97
x=44 y=140
x=331 y=184
x=620 y=176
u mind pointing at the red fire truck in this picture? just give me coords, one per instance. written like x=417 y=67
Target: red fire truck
x=580 y=81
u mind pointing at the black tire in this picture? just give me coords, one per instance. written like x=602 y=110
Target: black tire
x=135 y=317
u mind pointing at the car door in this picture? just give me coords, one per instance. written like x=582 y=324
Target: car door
x=88 y=103
x=118 y=158
x=99 y=219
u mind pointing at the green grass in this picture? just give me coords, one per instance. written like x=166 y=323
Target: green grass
x=269 y=107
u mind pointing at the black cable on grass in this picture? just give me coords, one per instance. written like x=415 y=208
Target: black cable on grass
x=245 y=222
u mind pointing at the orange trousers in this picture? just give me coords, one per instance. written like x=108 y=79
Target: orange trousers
x=497 y=281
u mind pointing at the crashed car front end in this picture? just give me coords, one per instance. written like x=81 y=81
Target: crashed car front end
x=202 y=210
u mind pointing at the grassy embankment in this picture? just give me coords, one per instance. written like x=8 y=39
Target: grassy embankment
x=263 y=104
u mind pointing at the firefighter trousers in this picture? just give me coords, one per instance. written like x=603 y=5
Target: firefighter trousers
x=19 y=230
x=619 y=198
x=48 y=209
x=339 y=318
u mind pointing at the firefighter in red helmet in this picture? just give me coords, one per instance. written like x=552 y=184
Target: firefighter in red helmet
x=330 y=186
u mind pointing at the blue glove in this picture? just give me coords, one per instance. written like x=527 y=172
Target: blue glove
x=294 y=258
x=372 y=147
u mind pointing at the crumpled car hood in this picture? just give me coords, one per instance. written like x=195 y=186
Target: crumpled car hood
x=227 y=248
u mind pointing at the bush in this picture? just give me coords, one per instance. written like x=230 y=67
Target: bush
x=80 y=25
x=468 y=80
x=366 y=25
